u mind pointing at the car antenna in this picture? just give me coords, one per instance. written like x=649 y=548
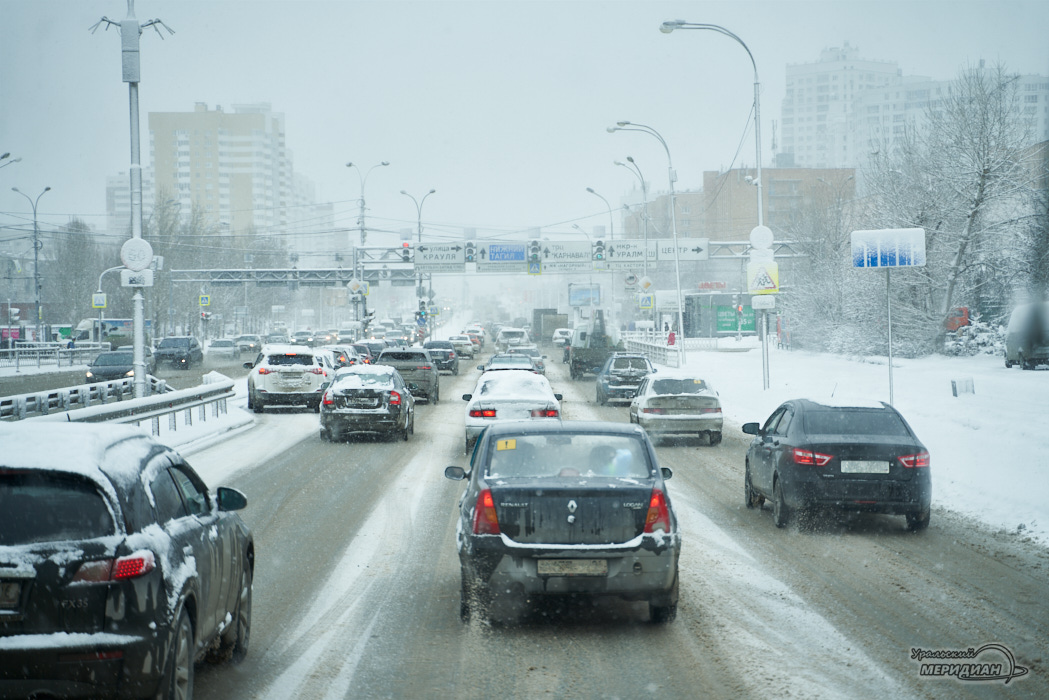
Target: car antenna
x=833 y=390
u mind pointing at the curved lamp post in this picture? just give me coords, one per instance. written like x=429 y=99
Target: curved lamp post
x=36 y=253
x=644 y=202
x=5 y=156
x=668 y=27
x=419 y=219
x=363 y=176
x=672 y=176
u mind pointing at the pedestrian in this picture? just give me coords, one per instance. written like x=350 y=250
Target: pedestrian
x=671 y=338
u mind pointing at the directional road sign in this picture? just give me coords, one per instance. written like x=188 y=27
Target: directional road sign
x=628 y=255
x=567 y=256
x=440 y=257
x=501 y=257
x=891 y=247
x=688 y=249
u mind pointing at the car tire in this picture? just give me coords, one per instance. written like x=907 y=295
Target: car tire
x=407 y=428
x=178 y=676
x=664 y=609
x=1025 y=363
x=918 y=520
x=750 y=499
x=780 y=510
x=1008 y=364
x=326 y=435
x=436 y=395
x=601 y=400
x=236 y=637
x=258 y=406
x=714 y=438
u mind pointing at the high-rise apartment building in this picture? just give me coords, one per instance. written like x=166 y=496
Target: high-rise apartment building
x=815 y=117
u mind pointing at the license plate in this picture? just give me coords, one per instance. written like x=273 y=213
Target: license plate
x=572 y=567
x=10 y=594
x=859 y=467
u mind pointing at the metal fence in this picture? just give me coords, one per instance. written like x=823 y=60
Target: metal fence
x=50 y=355
x=43 y=403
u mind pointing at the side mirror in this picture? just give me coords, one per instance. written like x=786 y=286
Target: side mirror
x=248 y=365
x=544 y=357
x=454 y=473
x=480 y=367
x=231 y=499
x=751 y=428
x=666 y=472
x=558 y=396
x=467 y=397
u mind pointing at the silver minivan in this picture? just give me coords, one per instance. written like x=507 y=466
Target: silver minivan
x=1027 y=338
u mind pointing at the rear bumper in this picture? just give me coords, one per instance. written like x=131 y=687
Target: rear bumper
x=865 y=495
x=620 y=391
x=664 y=425
x=290 y=398
x=68 y=665
x=360 y=422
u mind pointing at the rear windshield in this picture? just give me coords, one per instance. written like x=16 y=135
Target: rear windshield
x=114 y=360
x=853 y=422
x=566 y=455
x=174 y=343
x=512 y=334
x=289 y=359
x=39 y=507
x=630 y=363
x=403 y=356
x=679 y=386
x=356 y=380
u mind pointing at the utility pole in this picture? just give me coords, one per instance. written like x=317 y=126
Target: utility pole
x=133 y=255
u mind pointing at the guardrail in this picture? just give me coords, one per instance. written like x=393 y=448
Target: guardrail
x=42 y=403
x=162 y=411
x=27 y=355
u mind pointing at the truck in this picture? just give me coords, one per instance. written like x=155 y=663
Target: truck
x=591 y=344
x=116 y=331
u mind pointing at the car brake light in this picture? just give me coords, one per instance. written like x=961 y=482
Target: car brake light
x=263 y=370
x=917 y=460
x=486 y=521
x=658 y=517
x=134 y=565
x=544 y=413
x=395 y=398
x=328 y=400
x=814 y=459
x=710 y=410
x=482 y=413
x=424 y=367
x=654 y=410
x=317 y=370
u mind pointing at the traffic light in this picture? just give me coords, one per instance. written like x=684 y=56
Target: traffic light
x=534 y=250
x=599 y=250
x=471 y=251
x=406 y=252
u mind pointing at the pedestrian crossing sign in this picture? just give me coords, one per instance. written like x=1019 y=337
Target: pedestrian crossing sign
x=762 y=277
x=535 y=268
x=645 y=301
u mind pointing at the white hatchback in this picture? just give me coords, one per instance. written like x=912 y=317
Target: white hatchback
x=512 y=394
x=286 y=375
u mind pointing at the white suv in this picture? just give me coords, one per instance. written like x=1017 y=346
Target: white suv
x=286 y=375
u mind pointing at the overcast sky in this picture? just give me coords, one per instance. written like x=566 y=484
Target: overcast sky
x=501 y=106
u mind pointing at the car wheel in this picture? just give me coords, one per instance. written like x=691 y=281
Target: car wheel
x=1025 y=363
x=601 y=401
x=715 y=438
x=407 y=428
x=464 y=598
x=325 y=435
x=780 y=511
x=918 y=520
x=178 y=678
x=257 y=405
x=436 y=395
x=235 y=638
x=664 y=609
x=1008 y=364
x=749 y=499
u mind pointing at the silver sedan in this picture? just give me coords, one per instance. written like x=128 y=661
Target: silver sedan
x=677 y=403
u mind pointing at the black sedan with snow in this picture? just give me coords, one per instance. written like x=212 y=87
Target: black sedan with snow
x=844 y=455
x=119 y=568
x=562 y=509
x=370 y=399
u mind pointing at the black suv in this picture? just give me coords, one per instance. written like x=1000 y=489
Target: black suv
x=443 y=354
x=853 y=457
x=179 y=351
x=621 y=375
x=119 y=567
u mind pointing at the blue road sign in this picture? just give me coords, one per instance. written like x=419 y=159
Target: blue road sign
x=891 y=247
x=535 y=268
x=506 y=252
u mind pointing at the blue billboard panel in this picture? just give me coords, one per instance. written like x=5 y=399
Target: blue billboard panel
x=584 y=295
x=506 y=252
x=890 y=247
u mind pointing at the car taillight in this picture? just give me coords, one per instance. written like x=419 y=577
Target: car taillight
x=812 y=459
x=544 y=413
x=132 y=566
x=659 y=411
x=327 y=400
x=917 y=460
x=395 y=398
x=317 y=370
x=482 y=413
x=451 y=356
x=263 y=370
x=424 y=367
x=710 y=410
x=658 y=517
x=486 y=522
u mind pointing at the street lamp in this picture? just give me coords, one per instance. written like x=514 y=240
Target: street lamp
x=672 y=176
x=668 y=27
x=644 y=202
x=5 y=156
x=364 y=179
x=419 y=219
x=36 y=253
